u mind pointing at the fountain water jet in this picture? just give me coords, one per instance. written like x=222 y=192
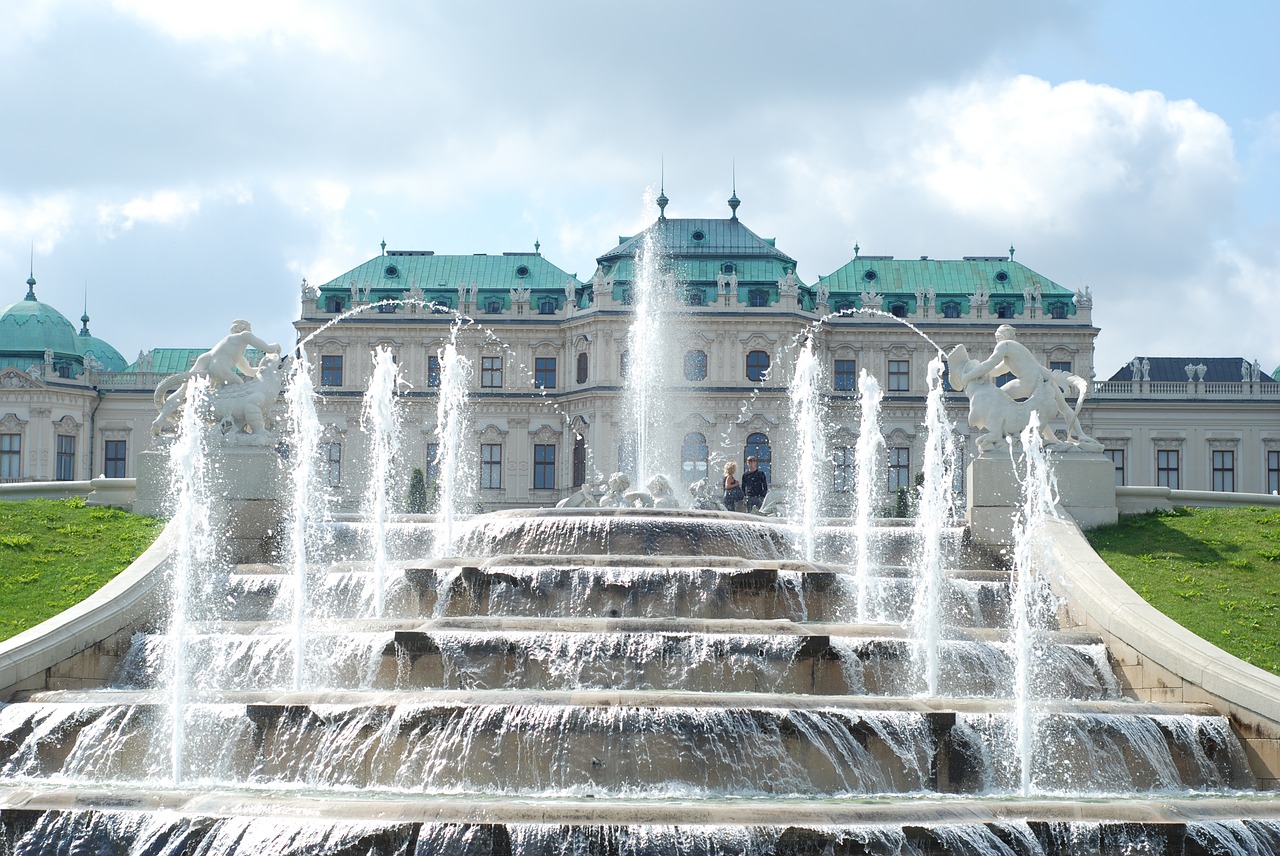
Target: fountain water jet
x=382 y=424
x=868 y=455
x=451 y=429
x=188 y=465
x=307 y=503
x=808 y=423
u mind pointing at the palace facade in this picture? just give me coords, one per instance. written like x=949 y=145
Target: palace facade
x=550 y=356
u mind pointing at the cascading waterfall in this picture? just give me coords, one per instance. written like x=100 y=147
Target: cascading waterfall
x=932 y=516
x=307 y=502
x=868 y=457
x=382 y=425
x=807 y=418
x=451 y=427
x=188 y=466
x=1038 y=499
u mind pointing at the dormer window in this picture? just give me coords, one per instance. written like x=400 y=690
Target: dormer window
x=493 y=305
x=1002 y=276
x=869 y=276
x=693 y=297
x=391 y=272
x=386 y=306
x=1058 y=311
x=1004 y=310
x=951 y=309
x=727 y=268
x=522 y=271
x=757 y=297
x=333 y=303
x=898 y=310
x=844 y=306
x=547 y=306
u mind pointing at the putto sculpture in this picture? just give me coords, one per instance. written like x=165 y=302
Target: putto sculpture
x=1002 y=410
x=241 y=395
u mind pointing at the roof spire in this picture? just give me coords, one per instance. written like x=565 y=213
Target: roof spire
x=84 y=319
x=662 y=190
x=734 y=201
x=31 y=278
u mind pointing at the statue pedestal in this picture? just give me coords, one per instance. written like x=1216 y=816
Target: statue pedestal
x=246 y=497
x=1086 y=491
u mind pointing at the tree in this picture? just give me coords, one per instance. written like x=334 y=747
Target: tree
x=417 y=503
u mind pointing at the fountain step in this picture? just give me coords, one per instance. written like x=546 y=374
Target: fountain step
x=392 y=808
x=647 y=699
x=764 y=591
x=620 y=744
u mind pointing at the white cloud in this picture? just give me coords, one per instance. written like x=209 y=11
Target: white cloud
x=39 y=222
x=166 y=207
x=321 y=26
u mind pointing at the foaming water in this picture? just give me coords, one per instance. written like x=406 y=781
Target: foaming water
x=307 y=500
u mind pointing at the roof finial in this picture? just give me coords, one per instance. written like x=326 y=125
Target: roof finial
x=384 y=246
x=1011 y=252
x=856 y=249
x=84 y=319
x=734 y=201
x=31 y=278
x=537 y=245
x=662 y=189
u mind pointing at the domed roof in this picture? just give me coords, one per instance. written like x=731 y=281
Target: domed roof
x=108 y=358
x=28 y=328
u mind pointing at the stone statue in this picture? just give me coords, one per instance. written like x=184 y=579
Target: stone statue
x=1190 y=369
x=241 y=411
x=220 y=366
x=581 y=498
x=615 y=496
x=1084 y=299
x=309 y=291
x=1257 y=371
x=1003 y=411
x=1146 y=369
x=707 y=495
x=570 y=294
x=824 y=293
x=660 y=492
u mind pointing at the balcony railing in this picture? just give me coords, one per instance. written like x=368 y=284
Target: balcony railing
x=1185 y=389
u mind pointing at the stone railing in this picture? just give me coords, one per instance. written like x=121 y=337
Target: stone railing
x=1141 y=499
x=1184 y=389
x=129 y=380
x=118 y=493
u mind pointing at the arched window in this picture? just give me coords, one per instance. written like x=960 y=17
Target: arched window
x=758 y=445
x=1004 y=310
x=757 y=365
x=493 y=305
x=898 y=309
x=579 y=460
x=757 y=297
x=844 y=306
x=1058 y=311
x=693 y=457
x=951 y=309
x=333 y=303
x=547 y=306
x=695 y=365
x=582 y=367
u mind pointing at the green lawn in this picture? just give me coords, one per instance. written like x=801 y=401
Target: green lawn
x=1216 y=571
x=55 y=553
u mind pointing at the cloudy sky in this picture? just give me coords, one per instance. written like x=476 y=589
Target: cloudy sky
x=191 y=163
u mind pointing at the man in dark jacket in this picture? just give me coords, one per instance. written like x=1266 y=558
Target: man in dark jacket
x=754 y=484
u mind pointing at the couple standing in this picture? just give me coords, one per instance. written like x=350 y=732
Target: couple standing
x=752 y=488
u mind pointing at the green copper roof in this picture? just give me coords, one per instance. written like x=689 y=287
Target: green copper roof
x=175 y=360
x=700 y=238
x=399 y=270
x=944 y=276
x=29 y=327
x=88 y=344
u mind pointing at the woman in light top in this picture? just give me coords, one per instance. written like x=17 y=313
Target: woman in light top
x=732 y=487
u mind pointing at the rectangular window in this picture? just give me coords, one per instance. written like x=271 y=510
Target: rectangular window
x=842 y=477
x=433 y=371
x=330 y=370
x=899 y=468
x=1060 y=366
x=1116 y=456
x=1224 y=469
x=10 y=456
x=66 y=465
x=579 y=461
x=846 y=375
x=333 y=461
x=432 y=471
x=491 y=372
x=899 y=375
x=582 y=368
x=1167 y=468
x=1273 y=472
x=544 y=372
x=115 y=459
x=491 y=466
x=544 y=466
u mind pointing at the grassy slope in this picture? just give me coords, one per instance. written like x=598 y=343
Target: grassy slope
x=54 y=554
x=1216 y=571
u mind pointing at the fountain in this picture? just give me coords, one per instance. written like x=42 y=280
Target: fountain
x=638 y=680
